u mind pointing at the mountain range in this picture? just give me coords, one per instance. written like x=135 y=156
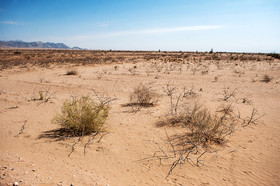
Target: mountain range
x=39 y=44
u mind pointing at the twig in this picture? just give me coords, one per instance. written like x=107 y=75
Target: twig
x=173 y=149
x=160 y=148
x=15 y=107
x=175 y=163
x=228 y=95
x=50 y=96
x=103 y=99
x=22 y=128
x=197 y=160
x=92 y=138
x=102 y=137
x=73 y=146
x=251 y=119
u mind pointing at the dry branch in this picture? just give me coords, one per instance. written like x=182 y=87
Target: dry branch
x=22 y=128
x=252 y=119
x=73 y=146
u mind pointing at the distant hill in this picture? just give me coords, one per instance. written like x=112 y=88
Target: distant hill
x=39 y=44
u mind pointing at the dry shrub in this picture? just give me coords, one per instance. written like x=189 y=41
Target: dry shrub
x=266 y=78
x=82 y=116
x=71 y=72
x=143 y=95
x=204 y=128
x=43 y=96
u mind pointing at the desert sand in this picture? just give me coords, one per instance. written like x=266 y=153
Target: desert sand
x=32 y=154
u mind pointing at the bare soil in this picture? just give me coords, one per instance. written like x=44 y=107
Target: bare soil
x=32 y=152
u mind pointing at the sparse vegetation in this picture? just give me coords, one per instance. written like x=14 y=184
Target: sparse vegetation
x=202 y=130
x=101 y=74
x=266 y=78
x=81 y=116
x=205 y=128
x=144 y=95
x=274 y=55
x=71 y=72
x=252 y=119
x=228 y=93
x=197 y=132
x=43 y=96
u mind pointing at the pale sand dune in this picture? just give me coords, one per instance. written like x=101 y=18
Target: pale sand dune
x=250 y=157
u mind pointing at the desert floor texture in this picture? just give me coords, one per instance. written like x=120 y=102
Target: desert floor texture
x=128 y=151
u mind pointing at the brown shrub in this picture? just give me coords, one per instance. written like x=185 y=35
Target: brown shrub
x=144 y=95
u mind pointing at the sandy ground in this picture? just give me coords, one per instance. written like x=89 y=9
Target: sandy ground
x=250 y=157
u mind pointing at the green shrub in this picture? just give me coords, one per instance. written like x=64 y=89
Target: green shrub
x=82 y=116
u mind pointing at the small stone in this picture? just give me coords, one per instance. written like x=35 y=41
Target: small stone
x=50 y=178
x=71 y=184
x=20 y=181
x=16 y=183
x=33 y=170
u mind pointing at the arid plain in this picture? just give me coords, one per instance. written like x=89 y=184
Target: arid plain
x=138 y=145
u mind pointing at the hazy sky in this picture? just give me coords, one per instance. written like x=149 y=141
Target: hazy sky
x=187 y=25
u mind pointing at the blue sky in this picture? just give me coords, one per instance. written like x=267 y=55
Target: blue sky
x=186 y=25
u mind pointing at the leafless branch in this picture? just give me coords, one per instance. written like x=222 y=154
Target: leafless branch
x=22 y=128
x=252 y=119
x=73 y=146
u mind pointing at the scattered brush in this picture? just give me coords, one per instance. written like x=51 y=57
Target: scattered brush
x=202 y=129
x=274 y=55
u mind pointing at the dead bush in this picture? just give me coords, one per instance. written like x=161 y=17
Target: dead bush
x=266 y=78
x=229 y=93
x=43 y=95
x=71 y=72
x=204 y=128
x=144 y=95
x=82 y=116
